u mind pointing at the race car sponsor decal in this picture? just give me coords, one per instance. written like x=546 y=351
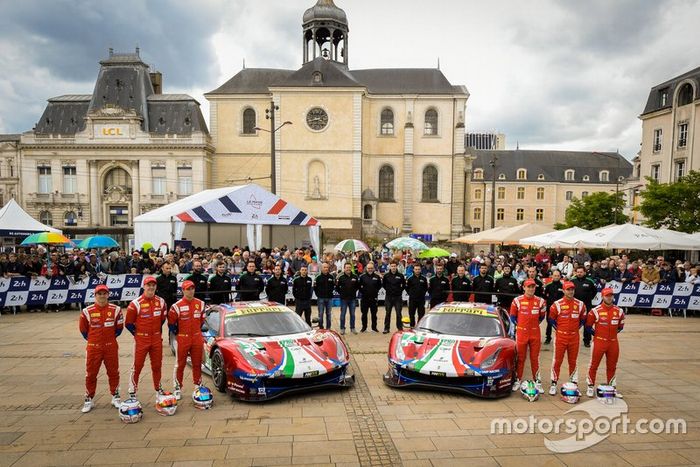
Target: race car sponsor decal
x=458 y=309
x=258 y=309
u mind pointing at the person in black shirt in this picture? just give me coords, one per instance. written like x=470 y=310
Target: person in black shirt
x=552 y=292
x=166 y=285
x=370 y=285
x=451 y=265
x=394 y=284
x=277 y=285
x=302 y=289
x=220 y=285
x=461 y=285
x=250 y=284
x=347 y=286
x=416 y=286
x=439 y=286
x=585 y=291
x=507 y=287
x=200 y=280
x=483 y=285
x=323 y=287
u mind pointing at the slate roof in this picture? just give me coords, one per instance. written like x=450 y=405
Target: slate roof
x=123 y=81
x=552 y=164
x=334 y=74
x=325 y=10
x=654 y=99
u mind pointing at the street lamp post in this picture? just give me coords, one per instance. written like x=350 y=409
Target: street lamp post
x=270 y=115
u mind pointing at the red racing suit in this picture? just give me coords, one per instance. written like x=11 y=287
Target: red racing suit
x=144 y=319
x=100 y=326
x=607 y=321
x=527 y=313
x=185 y=319
x=566 y=315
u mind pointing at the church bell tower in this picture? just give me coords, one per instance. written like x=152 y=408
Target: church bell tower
x=325 y=34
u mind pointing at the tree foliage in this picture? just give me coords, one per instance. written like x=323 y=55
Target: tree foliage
x=675 y=206
x=595 y=210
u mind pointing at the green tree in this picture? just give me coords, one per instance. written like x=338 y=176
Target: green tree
x=595 y=210
x=674 y=206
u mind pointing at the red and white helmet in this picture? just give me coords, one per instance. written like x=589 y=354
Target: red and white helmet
x=166 y=404
x=570 y=393
x=130 y=411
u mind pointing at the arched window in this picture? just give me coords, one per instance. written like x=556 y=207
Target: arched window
x=368 y=212
x=604 y=176
x=70 y=218
x=540 y=193
x=316 y=180
x=430 y=184
x=431 y=122
x=478 y=174
x=685 y=95
x=46 y=218
x=522 y=174
x=569 y=175
x=386 y=183
x=477 y=214
x=249 y=121
x=387 y=122
x=501 y=176
x=118 y=178
x=501 y=192
x=477 y=193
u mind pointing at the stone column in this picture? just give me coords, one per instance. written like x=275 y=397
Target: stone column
x=95 y=196
x=408 y=176
x=136 y=191
x=458 y=182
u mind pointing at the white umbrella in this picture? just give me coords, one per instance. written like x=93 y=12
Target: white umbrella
x=477 y=237
x=512 y=235
x=631 y=236
x=551 y=239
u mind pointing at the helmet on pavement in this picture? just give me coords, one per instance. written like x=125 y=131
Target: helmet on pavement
x=570 y=393
x=166 y=404
x=202 y=398
x=130 y=411
x=605 y=394
x=529 y=391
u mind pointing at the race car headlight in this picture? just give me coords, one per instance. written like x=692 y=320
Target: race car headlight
x=254 y=362
x=340 y=350
x=398 y=351
x=490 y=360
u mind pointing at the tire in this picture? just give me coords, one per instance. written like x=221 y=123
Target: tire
x=218 y=371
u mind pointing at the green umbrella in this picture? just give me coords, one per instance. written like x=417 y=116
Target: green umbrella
x=434 y=252
x=351 y=244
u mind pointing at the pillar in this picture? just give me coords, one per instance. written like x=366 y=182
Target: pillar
x=95 y=196
x=136 y=191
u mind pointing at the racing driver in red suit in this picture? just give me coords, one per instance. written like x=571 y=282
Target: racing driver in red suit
x=144 y=319
x=185 y=319
x=526 y=313
x=100 y=324
x=566 y=316
x=606 y=321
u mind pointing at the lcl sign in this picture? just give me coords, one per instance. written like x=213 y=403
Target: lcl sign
x=111 y=131
x=107 y=131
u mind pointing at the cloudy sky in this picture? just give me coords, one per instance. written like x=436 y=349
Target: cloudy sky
x=549 y=74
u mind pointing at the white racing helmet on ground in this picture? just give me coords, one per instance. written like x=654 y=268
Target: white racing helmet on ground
x=529 y=391
x=130 y=411
x=166 y=404
x=605 y=394
x=202 y=398
x=570 y=393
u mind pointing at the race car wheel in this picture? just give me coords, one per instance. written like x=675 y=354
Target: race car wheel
x=218 y=371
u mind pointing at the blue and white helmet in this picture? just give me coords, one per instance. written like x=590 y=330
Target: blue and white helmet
x=130 y=411
x=529 y=391
x=605 y=394
x=202 y=398
x=570 y=393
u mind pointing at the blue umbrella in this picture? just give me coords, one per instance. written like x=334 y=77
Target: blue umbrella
x=98 y=241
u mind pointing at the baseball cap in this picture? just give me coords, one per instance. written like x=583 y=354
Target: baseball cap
x=529 y=282
x=150 y=280
x=568 y=285
x=101 y=288
x=453 y=255
x=607 y=291
x=187 y=285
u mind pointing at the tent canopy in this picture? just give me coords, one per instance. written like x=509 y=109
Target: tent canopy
x=477 y=237
x=631 y=236
x=505 y=235
x=15 y=222
x=249 y=205
x=551 y=239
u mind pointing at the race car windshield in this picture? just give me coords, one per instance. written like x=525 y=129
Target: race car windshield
x=264 y=324
x=461 y=324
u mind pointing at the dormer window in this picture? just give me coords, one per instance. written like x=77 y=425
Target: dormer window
x=569 y=175
x=604 y=176
x=522 y=174
x=502 y=176
x=586 y=178
x=540 y=177
x=478 y=174
x=663 y=97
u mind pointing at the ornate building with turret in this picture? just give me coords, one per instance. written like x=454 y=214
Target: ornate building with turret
x=374 y=152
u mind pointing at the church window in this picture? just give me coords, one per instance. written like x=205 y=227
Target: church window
x=430 y=184
x=387 y=122
x=249 y=121
x=431 y=122
x=386 y=183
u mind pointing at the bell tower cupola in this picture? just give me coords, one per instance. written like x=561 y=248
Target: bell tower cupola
x=325 y=29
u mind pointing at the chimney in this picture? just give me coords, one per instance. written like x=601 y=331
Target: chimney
x=157 y=82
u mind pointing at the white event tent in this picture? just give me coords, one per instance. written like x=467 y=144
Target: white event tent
x=631 y=236
x=217 y=217
x=551 y=239
x=15 y=222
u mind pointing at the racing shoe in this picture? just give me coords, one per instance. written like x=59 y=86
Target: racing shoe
x=160 y=391
x=116 y=400
x=87 y=406
x=553 y=389
x=516 y=385
x=342 y=332
x=590 y=392
x=177 y=392
x=538 y=386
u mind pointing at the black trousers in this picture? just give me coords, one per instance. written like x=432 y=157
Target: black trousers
x=303 y=308
x=368 y=304
x=416 y=305
x=395 y=303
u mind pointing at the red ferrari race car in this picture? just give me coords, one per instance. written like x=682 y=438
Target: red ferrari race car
x=457 y=346
x=261 y=350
